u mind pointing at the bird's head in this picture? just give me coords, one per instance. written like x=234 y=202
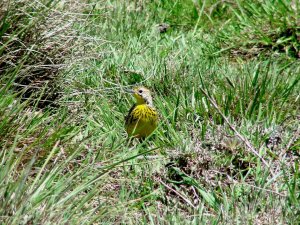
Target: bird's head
x=142 y=95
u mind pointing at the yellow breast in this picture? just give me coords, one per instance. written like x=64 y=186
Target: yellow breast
x=141 y=121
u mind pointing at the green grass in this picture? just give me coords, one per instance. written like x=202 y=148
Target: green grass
x=225 y=78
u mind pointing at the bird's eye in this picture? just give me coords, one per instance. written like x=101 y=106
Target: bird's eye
x=140 y=91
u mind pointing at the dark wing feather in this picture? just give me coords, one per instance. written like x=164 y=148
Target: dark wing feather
x=128 y=117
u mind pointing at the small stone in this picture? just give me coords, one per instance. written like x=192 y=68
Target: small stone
x=163 y=27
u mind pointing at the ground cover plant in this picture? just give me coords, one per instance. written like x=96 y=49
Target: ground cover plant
x=225 y=79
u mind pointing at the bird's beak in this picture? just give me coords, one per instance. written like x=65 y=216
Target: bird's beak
x=130 y=91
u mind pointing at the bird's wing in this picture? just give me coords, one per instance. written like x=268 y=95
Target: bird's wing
x=127 y=118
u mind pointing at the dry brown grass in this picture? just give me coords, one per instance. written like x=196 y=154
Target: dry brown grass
x=37 y=41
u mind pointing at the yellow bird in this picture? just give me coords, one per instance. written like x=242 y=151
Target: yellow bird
x=142 y=118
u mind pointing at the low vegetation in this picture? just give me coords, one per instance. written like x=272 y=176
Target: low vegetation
x=225 y=77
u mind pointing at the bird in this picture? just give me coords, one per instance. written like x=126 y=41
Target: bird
x=142 y=118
